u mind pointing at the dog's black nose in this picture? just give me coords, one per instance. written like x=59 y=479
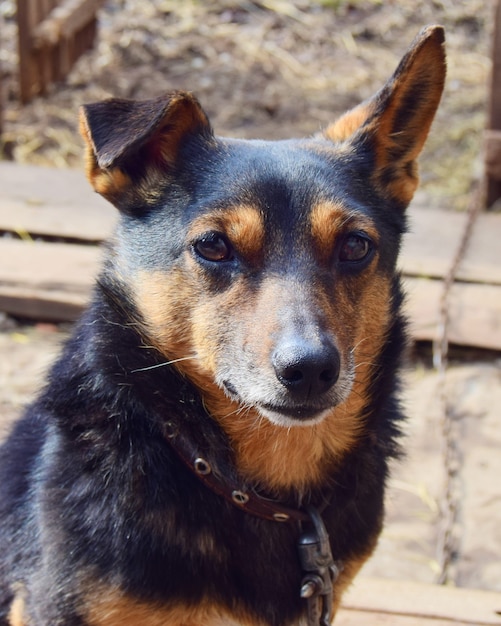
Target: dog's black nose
x=307 y=369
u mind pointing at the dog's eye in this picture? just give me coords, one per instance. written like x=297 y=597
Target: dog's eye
x=213 y=247
x=355 y=248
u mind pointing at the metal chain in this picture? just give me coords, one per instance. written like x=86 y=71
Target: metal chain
x=447 y=542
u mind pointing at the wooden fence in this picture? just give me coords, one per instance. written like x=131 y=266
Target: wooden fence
x=52 y=36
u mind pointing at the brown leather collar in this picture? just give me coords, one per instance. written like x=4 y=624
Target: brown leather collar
x=238 y=495
x=319 y=571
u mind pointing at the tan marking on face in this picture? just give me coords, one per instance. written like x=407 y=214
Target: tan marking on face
x=273 y=456
x=357 y=312
x=184 y=327
x=181 y=323
x=328 y=220
x=369 y=324
x=243 y=226
x=112 y=607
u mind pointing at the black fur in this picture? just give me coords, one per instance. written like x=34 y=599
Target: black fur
x=91 y=463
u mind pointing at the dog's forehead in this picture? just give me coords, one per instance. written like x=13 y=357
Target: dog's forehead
x=293 y=171
x=285 y=181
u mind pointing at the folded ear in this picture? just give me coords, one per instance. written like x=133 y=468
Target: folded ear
x=391 y=128
x=131 y=144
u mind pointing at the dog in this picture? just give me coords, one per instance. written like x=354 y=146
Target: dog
x=212 y=445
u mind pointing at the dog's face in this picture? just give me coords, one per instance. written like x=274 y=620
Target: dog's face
x=266 y=273
x=264 y=270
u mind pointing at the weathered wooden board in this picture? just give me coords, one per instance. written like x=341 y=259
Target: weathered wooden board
x=53 y=34
x=474 y=311
x=402 y=603
x=52 y=202
x=41 y=304
x=39 y=276
x=49 y=266
x=364 y=618
x=46 y=281
x=432 y=242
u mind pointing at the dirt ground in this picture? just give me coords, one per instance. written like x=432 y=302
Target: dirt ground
x=278 y=69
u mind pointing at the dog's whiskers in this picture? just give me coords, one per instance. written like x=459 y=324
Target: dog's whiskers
x=165 y=364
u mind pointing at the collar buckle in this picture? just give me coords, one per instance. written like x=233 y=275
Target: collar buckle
x=320 y=571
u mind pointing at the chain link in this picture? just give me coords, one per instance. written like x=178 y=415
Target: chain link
x=447 y=541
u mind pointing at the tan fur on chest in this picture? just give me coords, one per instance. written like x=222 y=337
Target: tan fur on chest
x=110 y=607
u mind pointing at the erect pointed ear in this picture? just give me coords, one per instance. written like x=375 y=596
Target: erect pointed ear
x=394 y=124
x=133 y=145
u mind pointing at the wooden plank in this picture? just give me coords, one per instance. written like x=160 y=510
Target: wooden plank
x=46 y=281
x=93 y=224
x=49 y=267
x=424 y=602
x=41 y=304
x=433 y=239
x=64 y=21
x=52 y=202
x=475 y=312
x=349 y=617
x=46 y=185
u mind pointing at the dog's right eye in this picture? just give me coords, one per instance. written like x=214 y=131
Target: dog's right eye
x=213 y=247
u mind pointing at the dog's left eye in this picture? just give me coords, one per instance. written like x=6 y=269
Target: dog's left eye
x=213 y=247
x=355 y=247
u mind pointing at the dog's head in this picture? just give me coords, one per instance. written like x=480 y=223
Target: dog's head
x=265 y=269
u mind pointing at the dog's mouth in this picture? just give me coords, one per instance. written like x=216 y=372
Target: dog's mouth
x=286 y=414
x=302 y=412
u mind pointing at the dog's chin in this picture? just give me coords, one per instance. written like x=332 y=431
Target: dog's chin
x=293 y=417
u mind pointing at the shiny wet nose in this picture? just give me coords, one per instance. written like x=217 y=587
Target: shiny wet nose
x=307 y=369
